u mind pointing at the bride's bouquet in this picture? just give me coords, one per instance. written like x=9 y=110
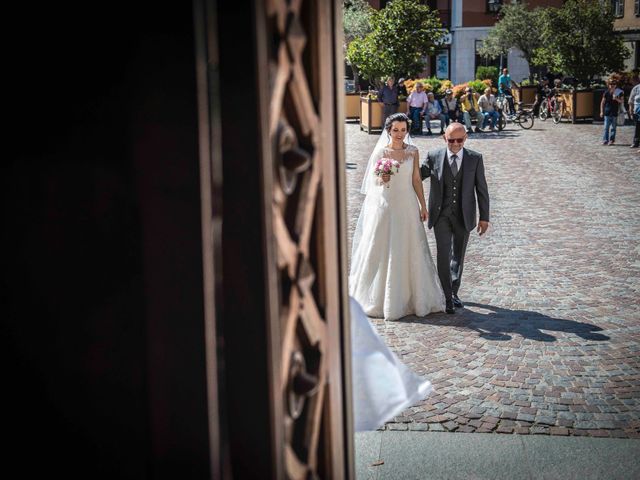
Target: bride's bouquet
x=386 y=166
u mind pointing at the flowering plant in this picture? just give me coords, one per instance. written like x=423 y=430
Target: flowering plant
x=386 y=166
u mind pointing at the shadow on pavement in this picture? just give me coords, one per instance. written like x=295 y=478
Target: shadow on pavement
x=488 y=135
x=496 y=323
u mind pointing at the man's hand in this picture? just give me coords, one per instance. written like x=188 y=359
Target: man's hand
x=482 y=227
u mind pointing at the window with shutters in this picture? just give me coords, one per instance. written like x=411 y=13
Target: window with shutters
x=617 y=6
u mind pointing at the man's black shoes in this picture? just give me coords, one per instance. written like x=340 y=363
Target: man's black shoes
x=449 y=307
x=456 y=301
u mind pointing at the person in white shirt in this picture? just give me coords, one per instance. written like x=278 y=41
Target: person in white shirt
x=488 y=106
x=416 y=103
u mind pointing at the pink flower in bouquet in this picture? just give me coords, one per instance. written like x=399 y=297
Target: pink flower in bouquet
x=387 y=166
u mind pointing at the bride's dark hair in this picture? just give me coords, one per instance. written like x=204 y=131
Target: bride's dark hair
x=396 y=117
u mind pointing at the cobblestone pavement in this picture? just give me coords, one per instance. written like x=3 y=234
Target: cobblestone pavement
x=548 y=342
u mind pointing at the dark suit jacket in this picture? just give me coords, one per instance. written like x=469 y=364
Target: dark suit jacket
x=473 y=184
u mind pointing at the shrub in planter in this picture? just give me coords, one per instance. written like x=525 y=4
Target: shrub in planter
x=410 y=85
x=487 y=73
x=430 y=84
x=444 y=85
x=479 y=85
x=434 y=83
x=458 y=90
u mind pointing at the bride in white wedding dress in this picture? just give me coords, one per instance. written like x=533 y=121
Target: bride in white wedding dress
x=392 y=273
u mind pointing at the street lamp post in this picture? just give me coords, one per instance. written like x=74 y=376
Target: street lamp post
x=494 y=7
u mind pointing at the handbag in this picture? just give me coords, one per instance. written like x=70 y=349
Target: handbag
x=622 y=115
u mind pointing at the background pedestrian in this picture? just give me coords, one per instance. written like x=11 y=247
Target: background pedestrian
x=388 y=96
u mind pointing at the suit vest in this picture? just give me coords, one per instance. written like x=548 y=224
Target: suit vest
x=451 y=191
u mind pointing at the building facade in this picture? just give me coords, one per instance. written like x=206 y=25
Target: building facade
x=627 y=24
x=469 y=23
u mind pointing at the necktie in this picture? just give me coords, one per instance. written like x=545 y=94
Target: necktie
x=454 y=165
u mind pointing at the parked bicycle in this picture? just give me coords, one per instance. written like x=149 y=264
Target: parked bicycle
x=551 y=107
x=524 y=118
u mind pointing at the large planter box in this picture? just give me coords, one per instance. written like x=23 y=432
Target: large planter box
x=352 y=106
x=371 y=114
x=525 y=94
x=597 y=98
x=578 y=105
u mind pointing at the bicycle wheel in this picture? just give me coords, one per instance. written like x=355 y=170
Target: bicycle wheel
x=525 y=120
x=557 y=115
x=502 y=121
x=544 y=105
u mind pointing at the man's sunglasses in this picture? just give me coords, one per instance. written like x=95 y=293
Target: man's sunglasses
x=455 y=140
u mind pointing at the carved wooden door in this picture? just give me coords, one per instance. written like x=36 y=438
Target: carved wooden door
x=285 y=225
x=306 y=214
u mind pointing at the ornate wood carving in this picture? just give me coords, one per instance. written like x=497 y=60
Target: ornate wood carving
x=296 y=130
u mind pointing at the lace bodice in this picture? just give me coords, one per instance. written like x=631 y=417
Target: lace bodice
x=401 y=155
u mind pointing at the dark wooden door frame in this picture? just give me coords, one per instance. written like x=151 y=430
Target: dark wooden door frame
x=267 y=245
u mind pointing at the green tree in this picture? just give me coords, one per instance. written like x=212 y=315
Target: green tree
x=402 y=34
x=578 y=40
x=362 y=55
x=518 y=27
x=356 y=21
x=488 y=73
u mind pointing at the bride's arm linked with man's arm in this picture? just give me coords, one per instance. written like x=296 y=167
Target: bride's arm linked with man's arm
x=416 y=181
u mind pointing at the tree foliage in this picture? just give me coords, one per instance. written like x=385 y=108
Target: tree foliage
x=356 y=20
x=402 y=34
x=362 y=55
x=518 y=27
x=578 y=39
x=488 y=73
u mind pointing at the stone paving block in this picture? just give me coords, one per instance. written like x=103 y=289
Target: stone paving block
x=465 y=429
x=419 y=427
x=546 y=420
x=504 y=429
x=526 y=417
x=585 y=425
x=539 y=430
x=397 y=426
x=451 y=426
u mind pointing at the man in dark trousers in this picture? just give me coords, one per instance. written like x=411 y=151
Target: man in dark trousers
x=457 y=178
x=388 y=96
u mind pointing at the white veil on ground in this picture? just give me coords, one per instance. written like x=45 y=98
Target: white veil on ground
x=383 y=386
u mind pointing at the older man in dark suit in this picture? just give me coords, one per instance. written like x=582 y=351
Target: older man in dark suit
x=457 y=178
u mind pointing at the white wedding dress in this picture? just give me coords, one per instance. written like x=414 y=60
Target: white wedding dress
x=392 y=272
